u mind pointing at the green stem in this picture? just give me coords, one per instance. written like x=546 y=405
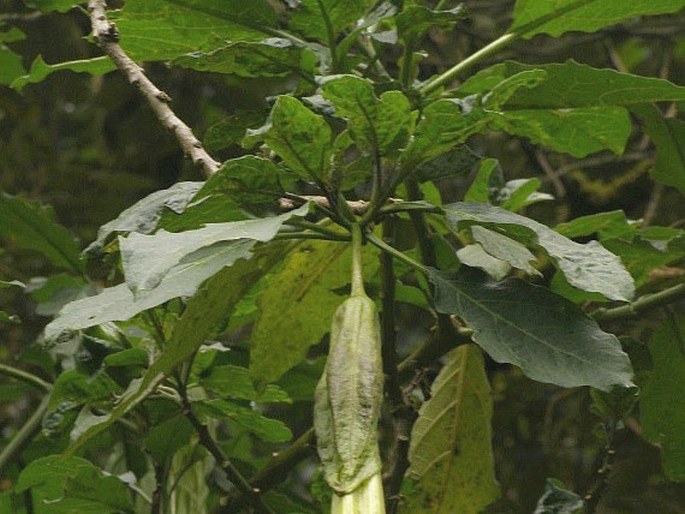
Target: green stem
x=499 y=43
x=25 y=433
x=311 y=235
x=330 y=33
x=357 y=269
x=25 y=376
x=397 y=254
x=643 y=303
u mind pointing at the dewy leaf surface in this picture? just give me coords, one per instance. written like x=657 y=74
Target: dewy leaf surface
x=149 y=258
x=662 y=403
x=589 y=266
x=555 y=17
x=452 y=465
x=31 y=226
x=548 y=337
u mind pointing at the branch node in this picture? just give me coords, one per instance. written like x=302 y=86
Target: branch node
x=163 y=97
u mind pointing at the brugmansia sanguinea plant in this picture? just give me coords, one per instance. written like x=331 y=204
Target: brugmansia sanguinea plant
x=225 y=295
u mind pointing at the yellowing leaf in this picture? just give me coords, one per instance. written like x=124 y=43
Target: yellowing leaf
x=452 y=466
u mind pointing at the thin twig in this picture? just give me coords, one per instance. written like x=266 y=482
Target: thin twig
x=401 y=413
x=107 y=36
x=25 y=376
x=275 y=472
x=233 y=474
x=650 y=301
x=25 y=433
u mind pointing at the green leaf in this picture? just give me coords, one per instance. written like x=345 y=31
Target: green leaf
x=236 y=383
x=444 y=124
x=640 y=256
x=589 y=266
x=11 y=65
x=272 y=57
x=249 y=183
x=556 y=17
x=414 y=20
x=557 y=500
x=668 y=136
x=143 y=216
x=573 y=85
x=452 y=467
x=326 y=19
x=267 y=429
x=64 y=485
x=29 y=225
x=487 y=183
x=458 y=162
x=578 y=132
x=549 y=338
x=506 y=249
x=231 y=130
x=9 y=318
x=300 y=137
x=40 y=69
x=168 y=436
x=159 y=30
x=520 y=193
x=376 y=124
x=476 y=257
x=148 y=259
x=77 y=388
x=205 y=315
x=4 y=284
x=306 y=283
x=662 y=404
x=606 y=225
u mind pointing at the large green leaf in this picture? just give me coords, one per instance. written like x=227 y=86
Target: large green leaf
x=234 y=382
x=205 y=315
x=326 y=19
x=555 y=17
x=589 y=267
x=118 y=303
x=299 y=136
x=62 y=485
x=297 y=305
x=444 y=124
x=32 y=226
x=662 y=404
x=247 y=183
x=571 y=85
x=156 y=30
x=577 y=132
x=415 y=20
x=668 y=136
x=451 y=461
x=272 y=57
x=148 y=259
x=375 y=124
x=548 y=337
x=142 y=216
